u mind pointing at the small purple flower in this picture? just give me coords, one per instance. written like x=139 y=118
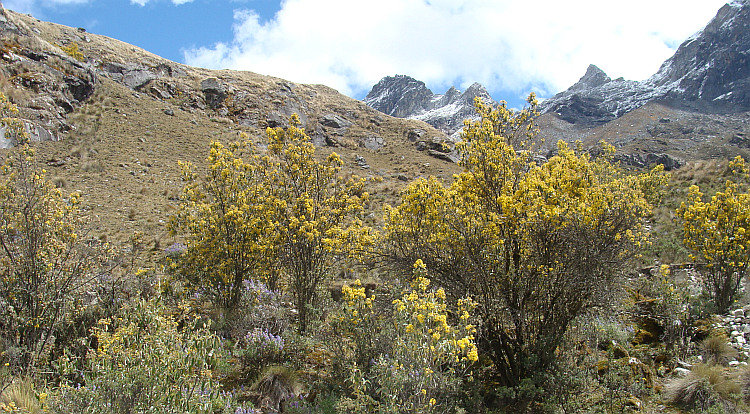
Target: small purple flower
x=264 y=340
x=175 y=250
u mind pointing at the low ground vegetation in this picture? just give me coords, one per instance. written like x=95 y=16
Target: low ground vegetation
x=510 y=288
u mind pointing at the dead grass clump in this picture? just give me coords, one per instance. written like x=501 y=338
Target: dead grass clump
x=59 y=182
x=705 y=387
x=716 y=350
x=20 y=397
x=275 y=386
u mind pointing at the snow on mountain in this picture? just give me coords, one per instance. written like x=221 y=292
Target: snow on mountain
x=405 y=97
x=709 y=72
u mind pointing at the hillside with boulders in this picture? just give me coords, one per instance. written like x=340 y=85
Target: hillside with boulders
x=175 y=239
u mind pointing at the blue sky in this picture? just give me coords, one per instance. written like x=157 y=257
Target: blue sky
x=511 y=47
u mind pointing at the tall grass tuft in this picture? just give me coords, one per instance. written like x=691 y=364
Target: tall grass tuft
x=275 y=386
x=716 y=350
x=20 y=397
x=705 y=387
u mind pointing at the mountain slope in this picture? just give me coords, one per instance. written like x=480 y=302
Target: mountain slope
x=114 y=124
x=709 y=72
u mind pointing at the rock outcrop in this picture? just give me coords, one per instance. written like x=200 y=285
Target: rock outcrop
x=709 y=72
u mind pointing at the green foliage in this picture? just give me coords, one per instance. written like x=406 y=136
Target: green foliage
x=429 y=360
x=718 y=231
x=661 y=309
x=359 y=331
x=258 y=349
x=536 y=245
x=146 y=363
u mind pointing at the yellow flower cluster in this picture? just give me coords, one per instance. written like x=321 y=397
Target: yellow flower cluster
x=423 y=316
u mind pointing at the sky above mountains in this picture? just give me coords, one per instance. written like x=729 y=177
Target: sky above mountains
x=512 y=47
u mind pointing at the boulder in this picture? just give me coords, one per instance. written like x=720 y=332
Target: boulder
x=373 y=142
x=136 y=79
x=335 y=121
x=214 y=92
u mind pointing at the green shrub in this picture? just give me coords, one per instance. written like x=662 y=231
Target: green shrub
x=430 y=358
x=145 y=363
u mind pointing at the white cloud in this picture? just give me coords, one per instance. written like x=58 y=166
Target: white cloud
x=504 y=44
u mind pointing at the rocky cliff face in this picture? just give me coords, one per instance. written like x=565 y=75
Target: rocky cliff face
x=710 y=72
x=405 y=97
x=48 y=82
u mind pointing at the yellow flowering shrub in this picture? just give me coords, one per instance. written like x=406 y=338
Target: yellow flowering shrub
x=226 y=220
x=316 y=220
x=255 y=215
x=431 y=354
x=43 y=262
x=535 y=242
x=358 y=324
x=74 y=51
x=718 y=232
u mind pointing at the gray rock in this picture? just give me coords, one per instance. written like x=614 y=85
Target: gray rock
x=361 y=162
x=214 y=92
x=646 y=160
x=445 y=156
x=136 y=79
x=415 y=134
x=335 y=121
x=80 y=89
x=373 y=142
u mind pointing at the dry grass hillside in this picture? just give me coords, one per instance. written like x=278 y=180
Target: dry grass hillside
x=120 y=145
x=658 y=132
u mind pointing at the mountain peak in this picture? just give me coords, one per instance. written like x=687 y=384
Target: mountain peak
x=709 y=72
x=593 y=78
x=399 y=96
x=405 y=97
